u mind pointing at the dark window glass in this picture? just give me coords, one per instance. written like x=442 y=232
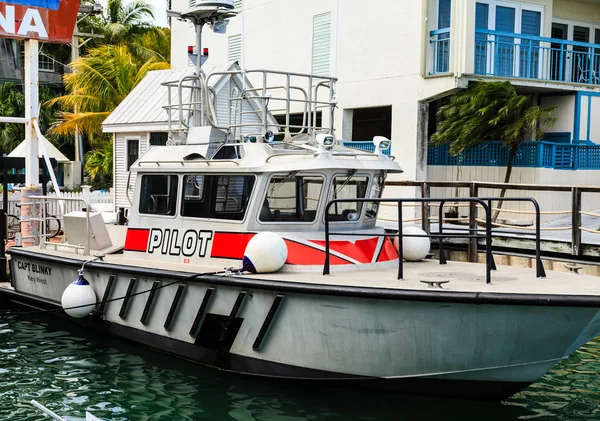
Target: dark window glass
x=292 y=198
x=133 y=151
x=158 y=195
x=216 y=196
x=159 y=139
x=347 y=187
x=376 y=190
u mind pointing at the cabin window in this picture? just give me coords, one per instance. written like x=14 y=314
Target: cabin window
x=376 y=190
x=292 y=198
x=349 y=186
x=158 y=195
x=216 y=196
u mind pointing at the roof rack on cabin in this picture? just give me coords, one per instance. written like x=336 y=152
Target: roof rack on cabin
x=252 y=105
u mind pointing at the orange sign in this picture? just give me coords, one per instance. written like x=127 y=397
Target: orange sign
x=45 y=20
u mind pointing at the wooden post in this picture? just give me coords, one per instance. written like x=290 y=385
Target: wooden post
x=473 y=192
x=425 y=208
x=576 y=221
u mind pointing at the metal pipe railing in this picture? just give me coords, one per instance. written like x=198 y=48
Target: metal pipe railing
x=490 y=265
x=42 y=239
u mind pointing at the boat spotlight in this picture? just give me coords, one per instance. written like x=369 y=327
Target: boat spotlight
x=381 y=143
x=325 y=140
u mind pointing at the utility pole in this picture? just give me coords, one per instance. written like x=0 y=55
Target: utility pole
x=75 y=56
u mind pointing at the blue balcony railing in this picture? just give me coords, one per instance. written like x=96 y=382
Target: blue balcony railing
x=540 y=154
x=367 y=146
x=512 y=55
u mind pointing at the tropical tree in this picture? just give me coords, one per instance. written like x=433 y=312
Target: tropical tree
x=99 y=82
x=130 y=24
x=12 y=105
x=99 y=161
x=491 y=111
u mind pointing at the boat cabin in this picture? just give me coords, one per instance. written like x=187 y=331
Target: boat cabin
x=188 y=208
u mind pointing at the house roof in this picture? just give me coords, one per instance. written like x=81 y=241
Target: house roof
x=22 y=151
x=144 y=104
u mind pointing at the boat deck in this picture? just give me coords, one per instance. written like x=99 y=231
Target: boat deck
x=461 y=276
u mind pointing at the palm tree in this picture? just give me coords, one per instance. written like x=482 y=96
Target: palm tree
x=130 y=24
x=99 y=160
x=12 y=105
x=99 y=82
x=490 y=111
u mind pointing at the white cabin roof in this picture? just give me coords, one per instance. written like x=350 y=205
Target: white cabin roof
x=144 y=104
x=260 y=158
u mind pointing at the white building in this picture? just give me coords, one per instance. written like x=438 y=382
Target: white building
x=396 y=59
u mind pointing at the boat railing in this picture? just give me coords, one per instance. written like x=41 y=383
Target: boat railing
x=42 y=239
x=474 y=233
x=193 y=101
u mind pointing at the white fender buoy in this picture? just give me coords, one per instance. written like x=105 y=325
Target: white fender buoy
x=413 y=248
x=266 y=252
x=76 y=296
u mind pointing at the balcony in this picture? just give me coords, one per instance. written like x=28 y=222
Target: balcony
x=539 y=154
x=510 y=55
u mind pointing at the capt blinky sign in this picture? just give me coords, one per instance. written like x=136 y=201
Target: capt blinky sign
x=45 y=20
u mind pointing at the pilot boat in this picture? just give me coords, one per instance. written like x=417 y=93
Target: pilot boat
x=253 y=246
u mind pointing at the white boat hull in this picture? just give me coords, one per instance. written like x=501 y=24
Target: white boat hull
x=409 y=343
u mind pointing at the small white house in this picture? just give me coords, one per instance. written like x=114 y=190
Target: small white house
x=141 y=119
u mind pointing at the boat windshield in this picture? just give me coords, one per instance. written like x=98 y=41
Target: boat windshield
x=292 y=197
x=348 y=186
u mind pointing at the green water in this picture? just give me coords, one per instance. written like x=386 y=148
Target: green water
x=71 y=370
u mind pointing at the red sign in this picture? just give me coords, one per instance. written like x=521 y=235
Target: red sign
x=46 y=20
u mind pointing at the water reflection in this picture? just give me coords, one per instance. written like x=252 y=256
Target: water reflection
x=71 y=370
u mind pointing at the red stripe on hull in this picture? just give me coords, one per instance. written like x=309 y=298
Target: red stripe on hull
x=388 y=251
x=137 y=239
x=229 y=245
x=360 y=250
x=301 y=254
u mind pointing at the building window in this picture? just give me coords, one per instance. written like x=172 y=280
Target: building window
x=45 y=63
x=502 y=55
x=292 y=198
x=321 y=47
x=348 y=186
x=159 y=139
x=299 y=121
x=370 y=122
x=235 y=48
x=158 y=195
x=133 y=151
x=216 y=196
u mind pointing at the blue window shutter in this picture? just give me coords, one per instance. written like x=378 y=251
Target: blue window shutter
x=530 y=50
x=321 y=54
x=505 y=19
x=530 y=23
x=505 y=46
x=481 y=15
x=444 y=14
x=481 y=43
